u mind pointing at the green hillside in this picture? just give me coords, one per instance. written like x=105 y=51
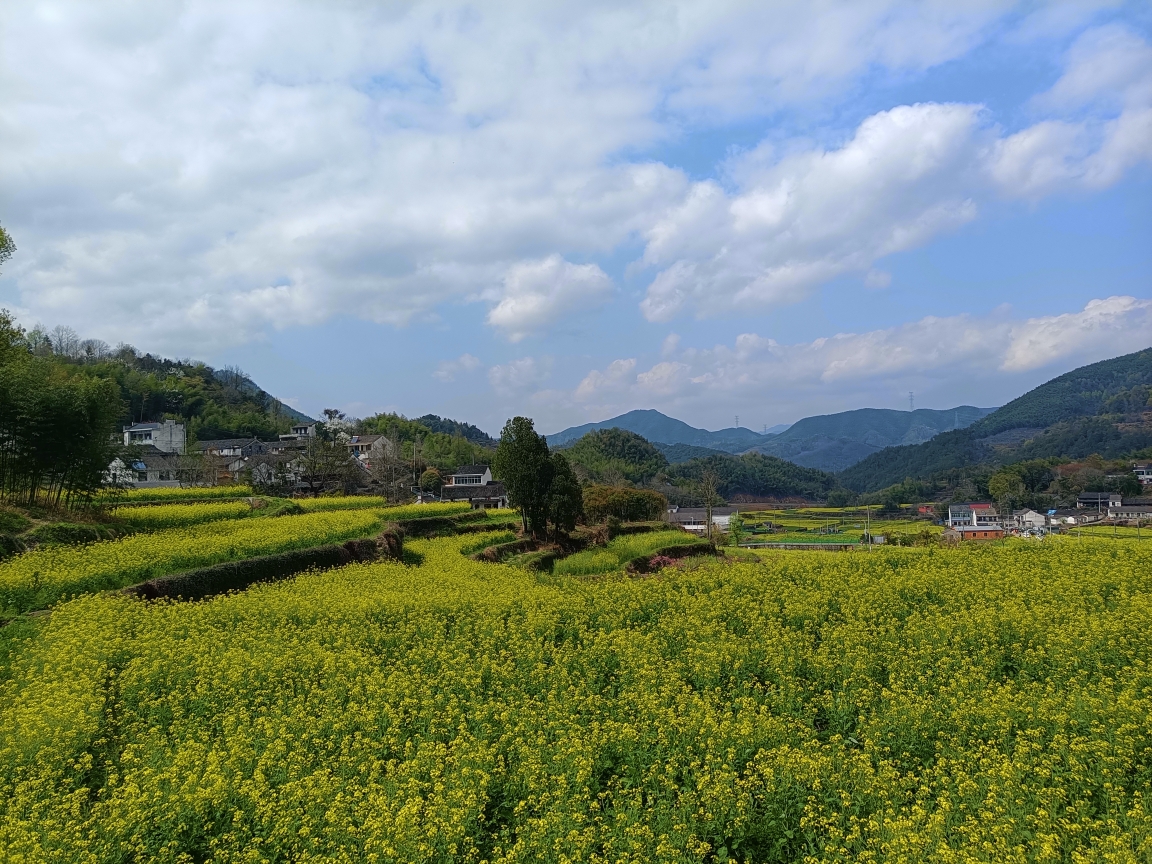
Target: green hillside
x=755 y=474
x=214 y=403
x=1084 y=392
x=683 y=452
x=611 y=454
x=884 y=425
x=1096 y=409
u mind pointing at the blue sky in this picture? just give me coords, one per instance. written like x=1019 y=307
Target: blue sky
x=763 y=210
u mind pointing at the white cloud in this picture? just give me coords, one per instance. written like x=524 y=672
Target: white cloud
x=1108 y=77
x=1105 y=327
x=447 y=370
x=195 y=174
x=906 y=175
x=520 y=376
x=877 y=279
x=980 y=357
x=1107 y=65
x=539 y=293
x=597 y=383
x=810 y=216
x=670 y=344
x=663 y=379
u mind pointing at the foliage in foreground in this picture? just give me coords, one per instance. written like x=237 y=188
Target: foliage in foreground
x=979 y=704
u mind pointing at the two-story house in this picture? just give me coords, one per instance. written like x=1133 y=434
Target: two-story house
x=474 y=484
x=1029 y=520
x=300 y=431
x=695 y=519
x=973 y=516
x=232 y=447
x=1098 y=500
x=167 y=437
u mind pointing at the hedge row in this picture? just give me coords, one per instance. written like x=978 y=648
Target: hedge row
x=237 y=575
x=643 y=563
x=427 y=526
x=500 y=551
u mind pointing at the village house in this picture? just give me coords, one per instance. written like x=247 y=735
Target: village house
x=1098 y=500
x=1028 y=520
x=1142 y=512
x=966 y=533
x=695 y=519
x=232 y=447
x=1143 y=472
x=167 y=437
x=1071 y=518
x=147 y=467
x=371 y=450
x=983 y=516
x=474 y=484
x=300 y=431
x=154 y=461
x=286 y=446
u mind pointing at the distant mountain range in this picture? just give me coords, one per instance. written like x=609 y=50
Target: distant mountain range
x=1104 y=408
x=829 y=442
x=833 y=442
x=660 y=428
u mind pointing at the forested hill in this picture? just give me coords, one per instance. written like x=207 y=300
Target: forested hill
x=1100 y=388
x=445 y=426
x=615 y=456
x=1101 y=408
x=214 y=403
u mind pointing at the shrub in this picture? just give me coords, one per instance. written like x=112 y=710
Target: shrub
x=628 y=505
x=235 y=575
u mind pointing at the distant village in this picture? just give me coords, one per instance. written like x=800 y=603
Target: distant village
x=159 y=457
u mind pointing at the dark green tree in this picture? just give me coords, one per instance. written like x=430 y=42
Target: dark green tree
x=7 y=247
x=565 y=497
x=522 y=461
x=431 y=481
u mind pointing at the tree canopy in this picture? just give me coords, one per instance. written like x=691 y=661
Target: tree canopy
x=617 y=453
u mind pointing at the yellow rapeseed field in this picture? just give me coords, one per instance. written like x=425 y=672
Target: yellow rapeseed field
x=976 y=704
x=41 y=577
x=185 y=493
x=358 y=502
x=175 y=515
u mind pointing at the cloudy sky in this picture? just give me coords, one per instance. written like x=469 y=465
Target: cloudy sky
x=715 y=209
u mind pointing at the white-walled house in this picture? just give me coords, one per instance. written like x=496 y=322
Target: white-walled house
x=167 y=437
x=695 y=519
x=983 y=516
x=1029 y=520
x=474 y=484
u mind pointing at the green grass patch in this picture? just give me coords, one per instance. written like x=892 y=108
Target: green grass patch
x=620 y=551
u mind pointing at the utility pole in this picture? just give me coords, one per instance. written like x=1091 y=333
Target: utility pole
x=737 y=421
x=911 y=401
x=868 y=524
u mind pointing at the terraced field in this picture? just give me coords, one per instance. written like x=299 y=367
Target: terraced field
x=970 y=704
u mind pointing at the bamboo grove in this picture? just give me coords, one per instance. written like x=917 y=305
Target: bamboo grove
x=55 y=426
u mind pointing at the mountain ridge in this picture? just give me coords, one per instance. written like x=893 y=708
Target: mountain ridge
x=828 y=442
x=1098 y=408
